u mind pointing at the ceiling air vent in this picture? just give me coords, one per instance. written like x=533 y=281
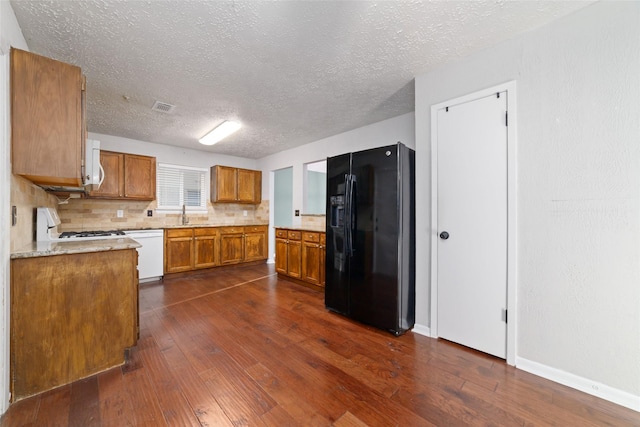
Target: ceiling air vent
x=163 y=107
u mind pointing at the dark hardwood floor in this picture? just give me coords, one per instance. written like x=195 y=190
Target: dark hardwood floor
x=238 y=346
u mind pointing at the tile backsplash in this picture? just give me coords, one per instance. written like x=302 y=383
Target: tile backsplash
x=26 y=196
x=78 y=214
x=97 y=214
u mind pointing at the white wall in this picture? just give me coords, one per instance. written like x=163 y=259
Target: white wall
x=578 y=87
x=386 y=132
x=10 y=35
x=170 y=154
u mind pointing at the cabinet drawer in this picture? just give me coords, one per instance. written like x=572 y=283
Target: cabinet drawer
x=255 y=229
x=179 y=232
x=281 y=233
x=205 y=231
x=294 y=235
x=311 y=237
x=231 y=230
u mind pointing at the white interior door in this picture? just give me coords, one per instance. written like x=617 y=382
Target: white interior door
x=472 y=224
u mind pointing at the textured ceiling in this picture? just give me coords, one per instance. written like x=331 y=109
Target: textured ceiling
x=292 y=72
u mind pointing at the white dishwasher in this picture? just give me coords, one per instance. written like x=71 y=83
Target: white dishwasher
x=150 y=255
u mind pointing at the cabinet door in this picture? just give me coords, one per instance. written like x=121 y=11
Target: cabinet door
x=206 y=242
x=178 y=250
x=294 y=259
x=311 y=259
x=139 y=177
x=249 y=186
x=224 y=186
x=255 y=243
x=46 y=119
x=323 y=256
x=281 y=256
x=113 y=165
x=231 y=245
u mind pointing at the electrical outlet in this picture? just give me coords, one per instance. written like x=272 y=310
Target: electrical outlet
x=14 y=215
x=149 y=212
x=297 y=212
x=119 y=213
x=244 y=213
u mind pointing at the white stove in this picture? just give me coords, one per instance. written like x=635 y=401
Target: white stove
x=47 y=222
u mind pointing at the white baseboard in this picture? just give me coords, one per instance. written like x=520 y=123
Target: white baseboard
x=585 y=385
x=422 y=330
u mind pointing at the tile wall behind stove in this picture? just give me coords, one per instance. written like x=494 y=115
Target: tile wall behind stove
x=93 y=214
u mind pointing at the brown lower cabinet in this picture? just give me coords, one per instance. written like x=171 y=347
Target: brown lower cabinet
x=72 y=315
x=300 y=255
x=194 y=248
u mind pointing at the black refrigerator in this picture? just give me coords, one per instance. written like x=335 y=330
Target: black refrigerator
x=370 y=249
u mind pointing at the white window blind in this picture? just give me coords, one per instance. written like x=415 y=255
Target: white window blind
x=181 y=185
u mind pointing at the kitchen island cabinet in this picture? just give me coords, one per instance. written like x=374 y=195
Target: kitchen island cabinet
x=47 y=119
x=72 y=316
x=127 y=177
x=300 y=255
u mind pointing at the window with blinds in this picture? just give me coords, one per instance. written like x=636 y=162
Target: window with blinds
x=181 y=185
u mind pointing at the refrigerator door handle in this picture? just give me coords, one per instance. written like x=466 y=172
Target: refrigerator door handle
x=346 y=227
x=350 y=217
x=352 y=213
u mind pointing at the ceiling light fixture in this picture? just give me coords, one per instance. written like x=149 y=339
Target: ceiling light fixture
x=220 y=132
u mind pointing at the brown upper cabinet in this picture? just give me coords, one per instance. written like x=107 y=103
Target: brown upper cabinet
x=127 y=176
x=234 y=185
x=47 y=119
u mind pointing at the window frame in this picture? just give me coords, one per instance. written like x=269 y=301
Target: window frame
x=204 y=188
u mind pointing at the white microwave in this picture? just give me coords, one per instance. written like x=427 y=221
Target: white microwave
x=93 y=172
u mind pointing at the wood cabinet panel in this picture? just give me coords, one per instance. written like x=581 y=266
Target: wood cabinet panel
x=178 y=252
x=231 y=247
x=71 y=316
x=224 y=184
x=112 y=185
x=281 y=255
x=294 y=259
x=311 y=258
x=127 y=177
x=206 y=250
x=301 y=255
x=139 y=177
x=234 y=185
x=255 y=243
x=249 y=186
x=47 y=121
x=204 y=247
x=323 y=258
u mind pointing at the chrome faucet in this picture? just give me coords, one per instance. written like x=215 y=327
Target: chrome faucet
x=185 y=220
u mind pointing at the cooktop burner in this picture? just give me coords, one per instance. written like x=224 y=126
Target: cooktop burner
x=98 y=233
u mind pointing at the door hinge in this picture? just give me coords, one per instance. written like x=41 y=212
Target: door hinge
x=505 y=316
x=506 y=118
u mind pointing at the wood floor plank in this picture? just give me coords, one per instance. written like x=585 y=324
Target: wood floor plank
x=172 y=402
x=288 y=399
x=23 y=412
x=54 y=407
x=144 y=403
x=115 y=407
x=239 y=346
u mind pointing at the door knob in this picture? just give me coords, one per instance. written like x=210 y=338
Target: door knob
x=444 y=235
